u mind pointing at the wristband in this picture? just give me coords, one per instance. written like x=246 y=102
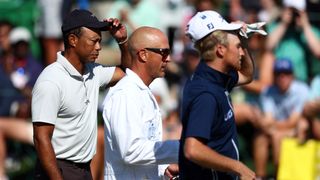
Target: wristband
x=124 y=41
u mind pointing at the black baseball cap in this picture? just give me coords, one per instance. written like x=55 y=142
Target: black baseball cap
x=82 y=18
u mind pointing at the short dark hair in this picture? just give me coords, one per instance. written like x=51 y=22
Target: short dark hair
x=76 y=31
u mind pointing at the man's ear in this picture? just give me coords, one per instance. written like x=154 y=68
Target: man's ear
x=143 y=55
x=73 y=40
x=220 y=50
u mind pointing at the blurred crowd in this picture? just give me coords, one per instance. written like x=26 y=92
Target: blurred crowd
x=282 y=101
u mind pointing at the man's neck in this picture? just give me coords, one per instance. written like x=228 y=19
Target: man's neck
x=142 y=74
x=218 y=65
x=74 y=61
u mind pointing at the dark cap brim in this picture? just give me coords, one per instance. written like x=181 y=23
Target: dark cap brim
x=102 y=26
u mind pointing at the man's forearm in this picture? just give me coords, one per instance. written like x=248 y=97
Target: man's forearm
x=48 y=161
x=47 y=158
x=204 y=156
x=247 y=69
x=125 y=55
x=275 y=36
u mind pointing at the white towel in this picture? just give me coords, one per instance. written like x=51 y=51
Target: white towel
x=253 y=28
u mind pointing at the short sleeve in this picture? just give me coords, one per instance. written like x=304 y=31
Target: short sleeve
x=267 y=102
x=300 y=100
x=315 y=87
x=202 y=116
x=105 y=74
x=45 y=102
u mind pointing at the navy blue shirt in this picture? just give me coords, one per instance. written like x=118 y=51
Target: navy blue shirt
x=207 y=114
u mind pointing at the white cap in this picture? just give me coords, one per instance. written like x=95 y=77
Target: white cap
x=298 y=4
x=205 y=22
x=19 y=34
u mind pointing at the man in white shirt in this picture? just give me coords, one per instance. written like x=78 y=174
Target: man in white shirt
x=133 y=124
x=65 y=98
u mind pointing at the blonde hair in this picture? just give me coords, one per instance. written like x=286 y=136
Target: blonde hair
x=206 y=45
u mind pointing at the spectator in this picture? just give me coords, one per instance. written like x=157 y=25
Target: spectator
x=16 y=129
x=209 y=147
x=66 y=95
x=48 y=28
x=18 y=75
x=133 y=123
x=5 y=28
x=135 y=13
x=282 y=105
x=311 y=109
x=270 y=10
x=19 y=70
x=293 y=36
x=5 y=54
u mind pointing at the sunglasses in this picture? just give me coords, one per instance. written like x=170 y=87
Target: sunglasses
x=164 y=52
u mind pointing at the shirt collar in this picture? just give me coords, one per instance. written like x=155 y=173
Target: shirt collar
x=212 y=75
x=68 y=66
x=136 y=79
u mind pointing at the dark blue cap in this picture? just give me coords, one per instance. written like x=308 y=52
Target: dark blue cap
x=82 y=18
x=283 y=65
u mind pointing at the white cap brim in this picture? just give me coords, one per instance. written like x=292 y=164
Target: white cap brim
x=205 y=22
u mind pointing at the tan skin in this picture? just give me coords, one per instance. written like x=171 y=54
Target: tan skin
x=274 y=131
x=84 y=49
x=232 y=56
x=149 y=65
x=311 y=111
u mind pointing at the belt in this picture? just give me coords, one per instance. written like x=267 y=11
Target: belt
x=79 y=165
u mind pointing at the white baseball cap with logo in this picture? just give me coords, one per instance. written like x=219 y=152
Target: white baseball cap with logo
x=205 y=22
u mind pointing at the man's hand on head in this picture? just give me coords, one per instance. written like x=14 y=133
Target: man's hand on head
x=117 y=30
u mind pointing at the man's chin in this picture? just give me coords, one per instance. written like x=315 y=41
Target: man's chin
x=93 y=59
x=162 y=74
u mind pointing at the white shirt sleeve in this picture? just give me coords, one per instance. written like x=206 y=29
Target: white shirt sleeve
x=105 y=74
x=130 y=137
x=45 y=102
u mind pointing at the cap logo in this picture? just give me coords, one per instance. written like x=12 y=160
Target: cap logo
x=210 y=26
x=203 y=17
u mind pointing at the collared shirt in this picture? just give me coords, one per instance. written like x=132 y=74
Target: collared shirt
x=282 y=105
x=133 y=132
x=68 y=100
x=315 y=87
x=207 y=114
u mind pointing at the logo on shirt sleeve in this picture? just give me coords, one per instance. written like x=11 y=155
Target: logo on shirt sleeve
x=228 y=115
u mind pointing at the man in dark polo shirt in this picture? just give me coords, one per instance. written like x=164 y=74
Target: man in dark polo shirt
x=209 y=147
